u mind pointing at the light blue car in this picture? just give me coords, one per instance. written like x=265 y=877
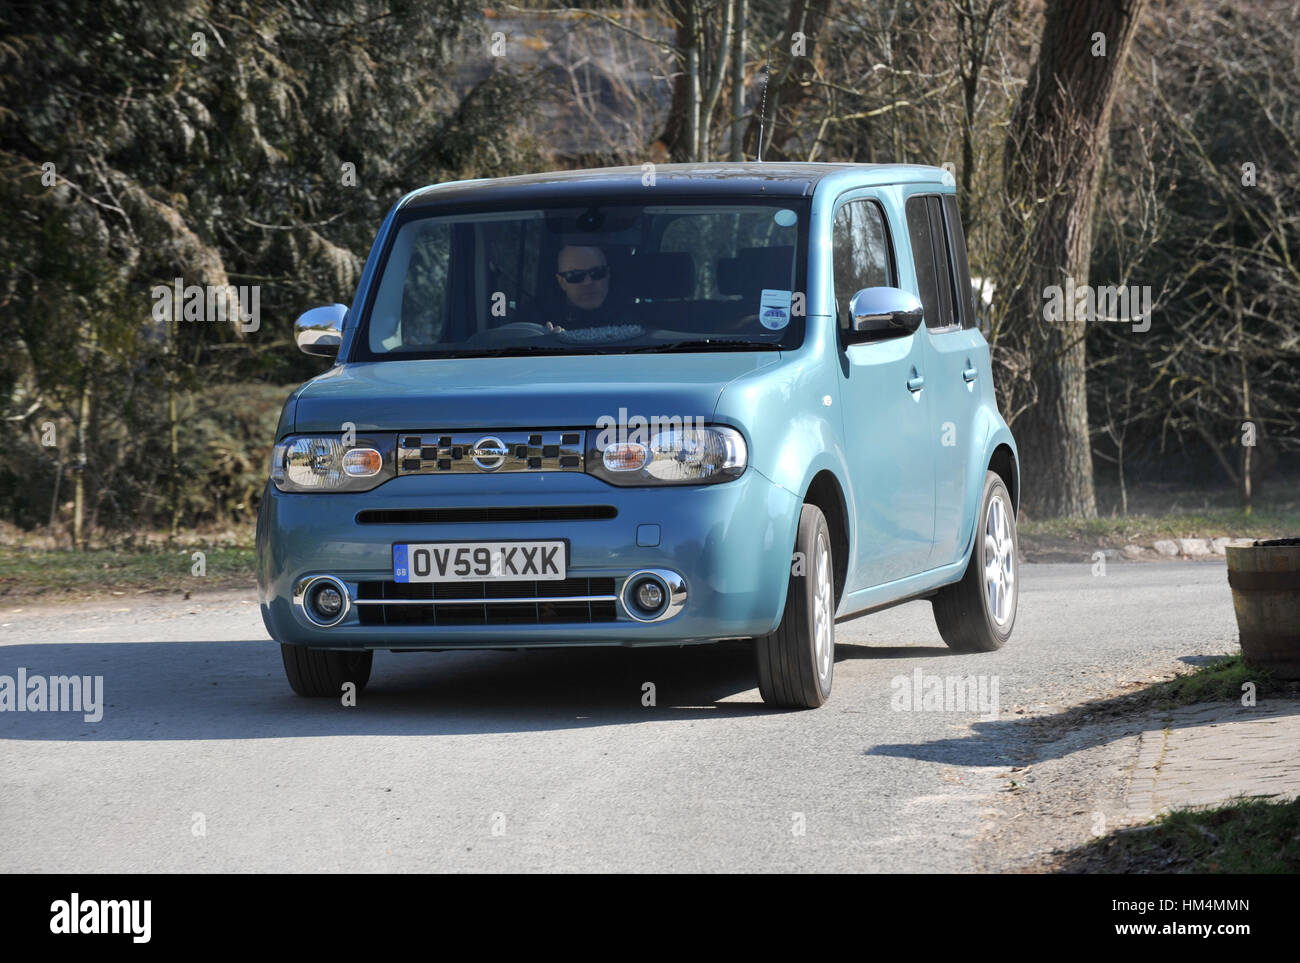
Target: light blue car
x=645 y=406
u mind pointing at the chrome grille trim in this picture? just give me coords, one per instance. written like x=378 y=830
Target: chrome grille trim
x=490 y=601
x=576 y=600
x=453 y=452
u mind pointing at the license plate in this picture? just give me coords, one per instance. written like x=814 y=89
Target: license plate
x=479 y=561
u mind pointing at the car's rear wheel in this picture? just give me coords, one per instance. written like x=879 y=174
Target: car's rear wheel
x=323 y=672
x=978 y=613
x=796 y=663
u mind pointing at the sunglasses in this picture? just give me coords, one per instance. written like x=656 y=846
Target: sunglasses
x=577 y=277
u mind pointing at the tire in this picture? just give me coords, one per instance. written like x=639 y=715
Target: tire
x=322 y=672
x=794 y=672
x=964 y=612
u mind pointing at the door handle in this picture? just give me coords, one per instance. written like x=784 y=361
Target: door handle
x=969 y=374
x=916 y=383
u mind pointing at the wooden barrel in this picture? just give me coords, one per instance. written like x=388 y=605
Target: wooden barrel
x=1265 y=580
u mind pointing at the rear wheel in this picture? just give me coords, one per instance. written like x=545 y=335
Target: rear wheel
x=796 y=663
x=977 y=613
x=323 y=672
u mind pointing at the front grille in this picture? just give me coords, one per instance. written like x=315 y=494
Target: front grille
x=450 y=516
x=490 y=452
x=486 y=603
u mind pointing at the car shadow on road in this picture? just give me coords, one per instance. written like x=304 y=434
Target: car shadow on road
x=237 y=690
x=1005 y=741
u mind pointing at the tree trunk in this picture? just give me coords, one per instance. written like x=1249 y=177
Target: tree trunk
x=54 y=500
x=1055 y=150
x=1123 y=485
x=1247 y=478
x=678 y=136
x=717 y=77
x=84 y=409
x=173 y=461
x=738 y=84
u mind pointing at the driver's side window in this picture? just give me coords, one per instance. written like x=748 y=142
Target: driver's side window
x=861 y=254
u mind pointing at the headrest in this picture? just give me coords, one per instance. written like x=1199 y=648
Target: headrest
x=664 y=276
x=754 y=268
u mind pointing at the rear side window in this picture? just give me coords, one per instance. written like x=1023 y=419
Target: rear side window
x=934 y=273
x=965 y=301
x=861 y=253
x=942 y=268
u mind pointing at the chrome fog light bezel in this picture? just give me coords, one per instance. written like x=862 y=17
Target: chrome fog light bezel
x=302 y=593
x=674 y=589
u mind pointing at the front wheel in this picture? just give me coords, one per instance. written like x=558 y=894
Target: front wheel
x=797 y=662
x=977 y=613
x=323 y=672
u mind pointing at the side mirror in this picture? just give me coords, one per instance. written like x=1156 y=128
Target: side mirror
x=320 y=330
x=883 y=313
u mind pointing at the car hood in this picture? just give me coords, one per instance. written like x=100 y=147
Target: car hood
x=544 y=391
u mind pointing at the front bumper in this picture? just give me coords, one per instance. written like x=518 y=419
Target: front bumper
x=731 y=542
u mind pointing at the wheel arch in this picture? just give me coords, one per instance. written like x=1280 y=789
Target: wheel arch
x=1003 y=463
x=824 y=491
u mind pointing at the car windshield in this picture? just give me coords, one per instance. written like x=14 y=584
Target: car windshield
x=608 y=277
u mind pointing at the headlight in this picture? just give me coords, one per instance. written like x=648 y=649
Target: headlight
x=321 y=463
x=681 y=456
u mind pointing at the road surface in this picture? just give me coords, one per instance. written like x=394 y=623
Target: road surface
x=204 y=760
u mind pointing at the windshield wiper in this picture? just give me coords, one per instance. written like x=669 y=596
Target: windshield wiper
x=518 y=349
x=704 y=344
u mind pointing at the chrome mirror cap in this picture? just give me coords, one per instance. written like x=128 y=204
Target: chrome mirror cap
x=885 y=311
x=320 y=330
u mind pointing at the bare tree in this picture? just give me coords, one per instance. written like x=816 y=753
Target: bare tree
x=1055 y=149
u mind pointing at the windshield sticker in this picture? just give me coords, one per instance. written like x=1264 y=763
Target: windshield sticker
x=785 y=217
x=774 y=308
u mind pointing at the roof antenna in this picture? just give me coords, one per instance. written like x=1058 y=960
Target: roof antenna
x=762 y=110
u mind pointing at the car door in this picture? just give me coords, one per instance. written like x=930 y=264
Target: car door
x=954 y=351
x=884 y=404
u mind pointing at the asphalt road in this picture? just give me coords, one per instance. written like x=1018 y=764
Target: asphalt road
x=204 y=760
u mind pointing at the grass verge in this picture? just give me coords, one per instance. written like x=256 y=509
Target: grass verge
x=52 y=575
x=1142 y=529
x=1220 y=681
x=1243 y=836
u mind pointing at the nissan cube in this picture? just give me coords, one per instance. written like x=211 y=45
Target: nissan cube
x=645 y=406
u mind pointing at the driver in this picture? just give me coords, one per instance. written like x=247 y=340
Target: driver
x=582 y=272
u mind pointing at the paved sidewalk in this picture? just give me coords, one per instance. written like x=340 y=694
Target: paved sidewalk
x=1208 y=754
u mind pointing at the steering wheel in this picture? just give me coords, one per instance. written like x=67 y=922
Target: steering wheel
x=513 y=330
x=522 y=327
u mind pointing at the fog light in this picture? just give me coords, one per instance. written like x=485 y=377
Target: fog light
x=327 y=602
x=653 y=595
x=649 y=596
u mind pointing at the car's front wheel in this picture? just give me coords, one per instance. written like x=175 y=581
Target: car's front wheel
x=323 y=672
x=977 y=613
x=796 y=663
